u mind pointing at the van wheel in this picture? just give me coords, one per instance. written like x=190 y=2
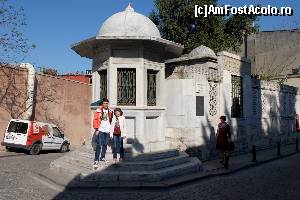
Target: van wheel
x=65 y=147
x=35 y=149
x=9 y=149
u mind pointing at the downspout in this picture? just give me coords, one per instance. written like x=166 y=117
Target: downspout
x=31 y=91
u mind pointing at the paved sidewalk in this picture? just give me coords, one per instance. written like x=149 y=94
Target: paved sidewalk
x=239 y=162
x=242 y=161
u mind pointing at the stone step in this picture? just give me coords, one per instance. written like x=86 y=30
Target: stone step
x=192 y=166
x=152 y=156
x=153 y=165
x=130 y=165
x=130 y=156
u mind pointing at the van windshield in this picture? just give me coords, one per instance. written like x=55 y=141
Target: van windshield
x=17 y=127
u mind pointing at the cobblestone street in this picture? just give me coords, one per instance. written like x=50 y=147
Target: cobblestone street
x=279 y=179
x=16 y=176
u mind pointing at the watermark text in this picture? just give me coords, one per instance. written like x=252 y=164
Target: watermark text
x=227 y=10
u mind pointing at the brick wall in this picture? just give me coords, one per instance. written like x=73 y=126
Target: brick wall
x=59 y=101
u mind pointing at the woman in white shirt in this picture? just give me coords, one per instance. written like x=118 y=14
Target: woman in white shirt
x=119 y=130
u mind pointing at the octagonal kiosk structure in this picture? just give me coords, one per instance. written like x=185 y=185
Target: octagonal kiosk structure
x=128 y=68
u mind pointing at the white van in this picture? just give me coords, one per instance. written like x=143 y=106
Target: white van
x=34 y=136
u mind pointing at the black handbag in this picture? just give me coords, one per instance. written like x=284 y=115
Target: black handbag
x=231 y=146
x=94 y=140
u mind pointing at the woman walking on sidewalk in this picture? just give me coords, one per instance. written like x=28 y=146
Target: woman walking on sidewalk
x=223 y=140
x=119 y=130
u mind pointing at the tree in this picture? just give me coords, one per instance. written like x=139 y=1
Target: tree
x=50 y=71
x=13 y=49
x=176 y=21
x=13 y=45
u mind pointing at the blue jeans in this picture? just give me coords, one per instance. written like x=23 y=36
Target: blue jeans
x=118 y=146
x=101 y=145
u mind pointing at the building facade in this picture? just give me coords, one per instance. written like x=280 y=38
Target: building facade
x=172 y=100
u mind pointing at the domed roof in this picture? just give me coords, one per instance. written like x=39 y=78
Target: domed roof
x=198 y=53
x=129 y=23
x=202 y=51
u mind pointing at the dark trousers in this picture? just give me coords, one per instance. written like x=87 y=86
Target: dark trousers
x=118 y=146
x=101 y=145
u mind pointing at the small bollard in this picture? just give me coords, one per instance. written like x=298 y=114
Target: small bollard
x=254 y=154
x=278 y=149
x=297 y=145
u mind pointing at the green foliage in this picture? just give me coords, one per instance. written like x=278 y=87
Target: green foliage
x=177 y=22
x=50 y=71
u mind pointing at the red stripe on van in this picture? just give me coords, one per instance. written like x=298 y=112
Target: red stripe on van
x=33 y=136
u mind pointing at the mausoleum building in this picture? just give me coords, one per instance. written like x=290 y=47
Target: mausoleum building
x=174 y=99
x=172 y=102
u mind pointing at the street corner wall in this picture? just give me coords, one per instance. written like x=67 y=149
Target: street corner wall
x=65 y=103
x=268 y=109
x=13 y=84
x=274 y=105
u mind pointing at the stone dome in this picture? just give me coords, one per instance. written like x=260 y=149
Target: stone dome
x=129 y=23
x=202 y=51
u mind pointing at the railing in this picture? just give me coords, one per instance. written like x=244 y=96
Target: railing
x=278 y=147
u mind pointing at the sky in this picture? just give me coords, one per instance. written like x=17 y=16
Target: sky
x=54 y=25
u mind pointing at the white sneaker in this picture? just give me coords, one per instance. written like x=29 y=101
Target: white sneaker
x=95 y=166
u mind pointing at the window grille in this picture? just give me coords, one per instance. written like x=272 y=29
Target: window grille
x=126 y=87
x=103 y=84
x=237 y=97
x=151 y=87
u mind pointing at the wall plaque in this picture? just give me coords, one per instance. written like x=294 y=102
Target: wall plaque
x=199 y=105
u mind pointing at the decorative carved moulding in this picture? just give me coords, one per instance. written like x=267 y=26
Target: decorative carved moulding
x=212 y=73
x=153 y=64
x=237 y=67
x=213 y=99
x=235 y=64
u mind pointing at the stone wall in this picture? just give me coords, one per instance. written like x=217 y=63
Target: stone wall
x=13 y=84
x=59 y=101
x=68 y=106
x=268 y=109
